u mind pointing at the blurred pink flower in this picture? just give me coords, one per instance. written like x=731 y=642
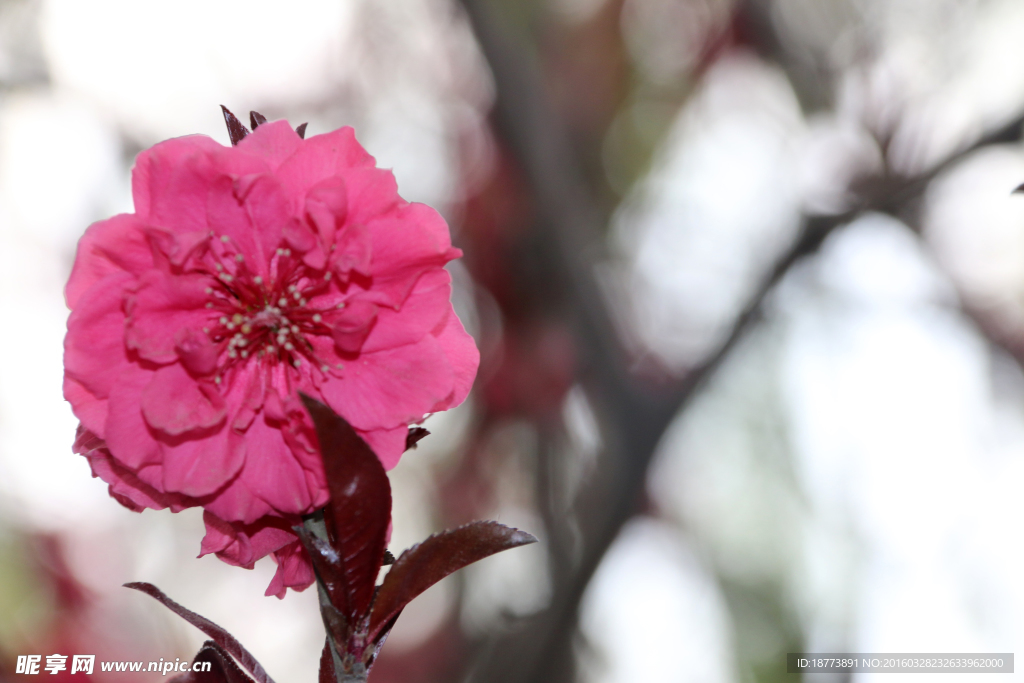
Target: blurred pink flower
x=245 y=275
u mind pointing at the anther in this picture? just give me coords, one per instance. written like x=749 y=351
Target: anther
x=225 y=239
x=258 y=280
x=282 y=301
x=317 y=318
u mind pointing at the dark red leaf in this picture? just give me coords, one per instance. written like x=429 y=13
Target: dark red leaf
x=331 y=575
x=236 y=131
x=1019 y=189
x=220 y=636
x=415 y=434
x=327 y=665
x=423 y=565
x=222 y=668
x=256 y=119
x=360 y=507
x=388 y=558
x=301 y=130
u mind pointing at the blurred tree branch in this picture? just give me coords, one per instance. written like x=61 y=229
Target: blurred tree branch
x=633 y=413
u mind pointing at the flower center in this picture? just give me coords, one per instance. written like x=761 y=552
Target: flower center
x=266 y=319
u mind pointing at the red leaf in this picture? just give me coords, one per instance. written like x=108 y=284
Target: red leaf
x=236 y=131
x=359 y=511
x=423 y=565
x=414 y=435
x=220 y=636
x=256 y=119
x=327 y=665
x=222 y=668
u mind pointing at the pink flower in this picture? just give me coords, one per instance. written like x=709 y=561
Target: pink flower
x=246 y=275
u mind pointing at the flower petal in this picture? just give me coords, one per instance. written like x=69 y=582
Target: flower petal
x=90 y=410
x=272 y=473
x=197 y=352
x=460 y=349
x=273 y=142
x=427 y=306
x=176 y=403
x=164 y=305
x=388 y=444
x=198 y=467
x=294 y=570
x=115 y=245
x=125 y=486
x=321 y=157
x=242 y=545
x=170 y=182
x=94 y=346
x=407 y=243
x=351 y=327
x=390 y=388
x=126 y=432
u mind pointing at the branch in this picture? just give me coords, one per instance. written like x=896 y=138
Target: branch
x=633 y=416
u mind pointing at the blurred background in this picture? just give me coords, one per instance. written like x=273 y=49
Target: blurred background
x=747 y=277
